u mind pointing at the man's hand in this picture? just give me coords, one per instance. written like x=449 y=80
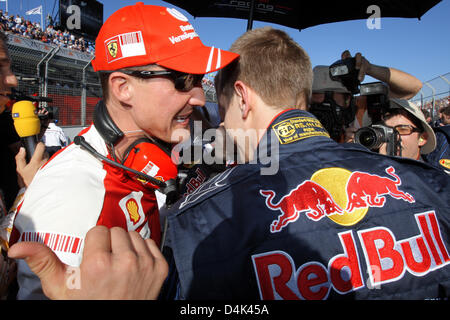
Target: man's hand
x=361 y=64
x=26 y=171
x=402 y=85
x=116 y=265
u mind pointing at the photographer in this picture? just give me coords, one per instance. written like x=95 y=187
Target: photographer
x=342 y=116
x=415 y=135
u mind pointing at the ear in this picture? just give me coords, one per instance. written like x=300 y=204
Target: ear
x=120 y=86
x=423 y=139
x=242 y=92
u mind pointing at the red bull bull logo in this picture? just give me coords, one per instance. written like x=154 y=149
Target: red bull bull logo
x=309 y=198
x=365 y=189
x=339 y=194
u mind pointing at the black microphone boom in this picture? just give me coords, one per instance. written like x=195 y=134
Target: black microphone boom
x=18 y=96
x=80 y=141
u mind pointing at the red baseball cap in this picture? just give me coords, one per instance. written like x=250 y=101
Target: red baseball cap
x=141 y=34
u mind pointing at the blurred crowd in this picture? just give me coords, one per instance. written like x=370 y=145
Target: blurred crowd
x=18 y=25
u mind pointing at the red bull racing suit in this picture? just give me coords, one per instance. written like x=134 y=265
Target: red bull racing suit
x=335 y=221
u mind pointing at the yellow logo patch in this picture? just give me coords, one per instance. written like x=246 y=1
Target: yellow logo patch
x=112 y=48
x=445 y=163
x=298 y=128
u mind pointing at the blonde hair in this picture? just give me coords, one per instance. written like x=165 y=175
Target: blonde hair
x=272 y=64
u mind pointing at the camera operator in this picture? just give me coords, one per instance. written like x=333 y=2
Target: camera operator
x=330 y=101
x=415 y=135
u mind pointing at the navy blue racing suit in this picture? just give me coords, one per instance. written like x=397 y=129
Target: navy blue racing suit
x=335 y=221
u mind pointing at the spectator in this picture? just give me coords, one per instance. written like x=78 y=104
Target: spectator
x=112 y=196
x=445 y=115
x=427 y=115
x=25 y=28
x=440 y=157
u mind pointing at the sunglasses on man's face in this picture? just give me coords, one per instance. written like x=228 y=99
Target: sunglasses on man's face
x=183 y=81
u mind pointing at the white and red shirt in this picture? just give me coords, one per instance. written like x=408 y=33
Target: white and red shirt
x=72 y=193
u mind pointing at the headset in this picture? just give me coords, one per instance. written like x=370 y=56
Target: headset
x=146 y=160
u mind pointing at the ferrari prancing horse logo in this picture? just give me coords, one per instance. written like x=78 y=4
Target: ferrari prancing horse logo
x=112 y=48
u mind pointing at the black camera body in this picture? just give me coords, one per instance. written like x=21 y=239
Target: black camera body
x=377 y=97
x=345 y=71
x=374 y=136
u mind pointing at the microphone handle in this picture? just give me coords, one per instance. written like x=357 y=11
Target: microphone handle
x=30 y=145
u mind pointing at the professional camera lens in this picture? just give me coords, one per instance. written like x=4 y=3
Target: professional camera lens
x=370 y=137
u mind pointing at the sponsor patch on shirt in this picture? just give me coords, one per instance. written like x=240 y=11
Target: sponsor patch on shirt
x=298 y=128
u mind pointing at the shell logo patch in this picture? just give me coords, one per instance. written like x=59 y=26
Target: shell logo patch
x=336 y=193
x=132 y=208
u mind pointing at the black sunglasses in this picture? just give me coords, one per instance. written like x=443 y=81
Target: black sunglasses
x=183 y=81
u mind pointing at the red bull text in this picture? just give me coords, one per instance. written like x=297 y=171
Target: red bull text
x=386 y=258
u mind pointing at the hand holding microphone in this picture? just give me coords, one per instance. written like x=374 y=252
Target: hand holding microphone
x=27 y=125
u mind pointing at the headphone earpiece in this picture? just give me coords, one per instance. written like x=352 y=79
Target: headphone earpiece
x=145 y=156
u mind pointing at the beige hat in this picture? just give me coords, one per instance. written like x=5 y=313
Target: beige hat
x=322 y=81
x=417 y=113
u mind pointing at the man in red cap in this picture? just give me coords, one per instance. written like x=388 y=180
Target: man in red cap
x=151 y=62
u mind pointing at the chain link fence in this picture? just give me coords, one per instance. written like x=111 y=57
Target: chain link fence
x=64 y=75
x=435 y=94
x=59 y=73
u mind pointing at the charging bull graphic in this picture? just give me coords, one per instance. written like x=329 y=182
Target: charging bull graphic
x=309 y=198
x=364 y=189
x=332 y=189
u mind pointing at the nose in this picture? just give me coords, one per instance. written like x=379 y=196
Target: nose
x=197 y=96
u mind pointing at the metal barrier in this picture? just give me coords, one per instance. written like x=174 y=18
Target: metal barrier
x=65 y=75
x=435 y=94
x=62 y=74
